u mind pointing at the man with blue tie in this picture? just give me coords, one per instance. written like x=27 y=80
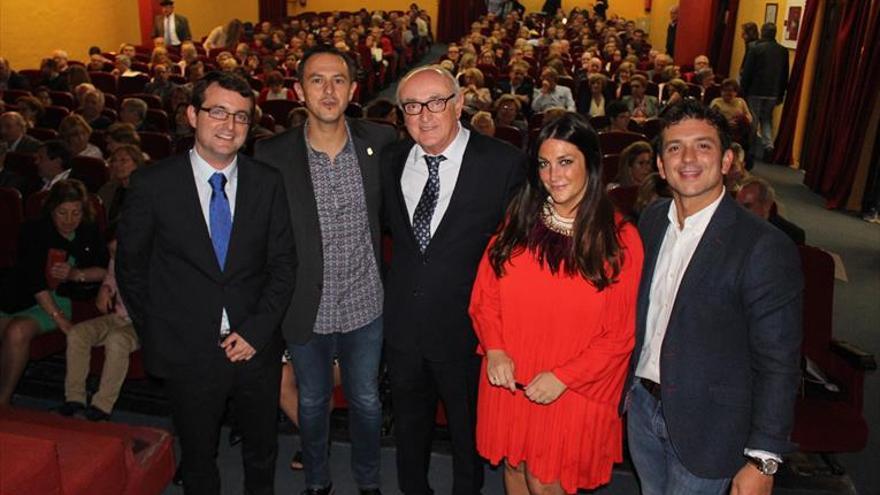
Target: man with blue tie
x=205 y=265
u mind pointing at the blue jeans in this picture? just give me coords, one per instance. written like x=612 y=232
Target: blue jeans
x=658 y=467
x=359 y=352
x=762 y=123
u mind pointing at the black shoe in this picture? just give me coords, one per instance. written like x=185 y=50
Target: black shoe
x=371 y=491
x=95 y=414
x=234 y=437
x=327 y=490
x=70 y=408
x=178 y=476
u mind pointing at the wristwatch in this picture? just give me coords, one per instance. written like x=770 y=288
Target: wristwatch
x=768 y=467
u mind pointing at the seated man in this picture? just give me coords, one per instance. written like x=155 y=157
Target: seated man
x=134 y=111
x=13 y=134
x=53 y=163
x=619 y=115
x=758 y=196
x=115 y=332
x=551 y=94
x=642 y=106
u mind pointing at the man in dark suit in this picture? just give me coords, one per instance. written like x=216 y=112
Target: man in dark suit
x=717 y=354
x=519 y=86
x=445 y=195
x=330 y=166
x=13 y=132
x=205 y=265
x=759 y=197
x=172 y=27
x=764 y=80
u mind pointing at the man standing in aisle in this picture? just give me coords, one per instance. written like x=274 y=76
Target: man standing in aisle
x=170 y=26
x=330 y=166
x=764 y=81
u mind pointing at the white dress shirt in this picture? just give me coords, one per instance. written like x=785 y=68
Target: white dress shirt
x=171 y=29
x=675 y=255
x=47 y=185
x=202 y=173
x=415 y=176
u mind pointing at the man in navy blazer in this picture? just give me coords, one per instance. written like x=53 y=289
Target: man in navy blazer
x=716 y=364
x=205 y=264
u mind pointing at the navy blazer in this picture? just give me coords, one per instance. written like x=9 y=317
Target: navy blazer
x=427 y=295
x=730 y=360
x=169 y=277
x=287 y=152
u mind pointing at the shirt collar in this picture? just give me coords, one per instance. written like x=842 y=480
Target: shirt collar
x=203 y=170
x=345 y=147
x=454 y=153
x=697 y=222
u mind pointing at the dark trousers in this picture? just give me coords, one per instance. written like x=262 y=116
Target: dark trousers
x=416 y=384
x=198 y=401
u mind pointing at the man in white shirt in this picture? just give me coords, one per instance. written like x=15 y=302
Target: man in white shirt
x=551 y=94
x=53 y=163
x=171 y=27
x=716 y=361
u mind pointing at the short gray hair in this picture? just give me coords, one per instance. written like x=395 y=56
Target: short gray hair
x=437 y=69
x=766 y=193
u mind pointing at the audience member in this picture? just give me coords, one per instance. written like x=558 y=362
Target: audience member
x=32 y=110
x=619 y=116
x=642 y=106
x=123 y=161
x=474 y=91
x=53 y=163
x=759 y=197
x=764 y=81
x=551 y=94
x=483 y=123
x=134 y=111
x=9 y=79
x=226 y=37
x=8 y=178
x=636 y=163
x=13 y=132
x=172 y=27
x=274 y=89
x=160 y=85
x=75 y=132
x=64 y=261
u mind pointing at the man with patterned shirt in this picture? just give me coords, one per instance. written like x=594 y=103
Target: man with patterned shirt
x=330 y=166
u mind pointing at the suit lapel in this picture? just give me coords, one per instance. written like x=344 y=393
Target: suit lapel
x=397 y=173
x=367 y=157
x=653 y=233
x=191 y=213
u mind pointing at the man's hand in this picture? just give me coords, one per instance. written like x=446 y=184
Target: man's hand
x=544 y=388
x=750 y=481
x=500 y=369
x=104 y=300
x=237 y=349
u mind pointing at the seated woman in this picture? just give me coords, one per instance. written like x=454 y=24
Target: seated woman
x=735 y=110
x=483 y=123
x=596 y=97
x=553 y=306
x=636 y=162
x=75 y=132
x=474 y=91
x=507 y=112
x=124 y=160
x=274 y=89
x=92 y=110
x=642 y=106
x=66 y=259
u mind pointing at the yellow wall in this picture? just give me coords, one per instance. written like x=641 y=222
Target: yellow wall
x=205 y=15
x=30 y=30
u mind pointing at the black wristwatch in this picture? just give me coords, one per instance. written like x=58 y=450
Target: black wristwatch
x=768 y=467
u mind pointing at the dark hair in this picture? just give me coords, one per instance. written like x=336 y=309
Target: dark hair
x=768 y=31
x=595 y=252
x=751 y=31
x=94 y=50
x=615 y=108
x=380 y=108
x=331 y=50
x=731 y=84
x=65 y=191
x=690 y=108
x=226 y=80
x=55 y=149
x=133 y=151
x=628 y=158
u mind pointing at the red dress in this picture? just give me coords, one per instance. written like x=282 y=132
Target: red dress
x=557 y=323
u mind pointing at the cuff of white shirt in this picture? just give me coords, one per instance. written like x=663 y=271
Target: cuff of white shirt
x=763 y=455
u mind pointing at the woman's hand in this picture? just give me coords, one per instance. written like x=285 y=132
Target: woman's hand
x=63 y=323
x=499 y=368
x=61 y=271
x=544 y=388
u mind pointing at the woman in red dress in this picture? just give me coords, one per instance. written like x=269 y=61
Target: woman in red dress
x=554 y=308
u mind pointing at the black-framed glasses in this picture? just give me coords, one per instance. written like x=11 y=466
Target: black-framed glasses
x=221 y=114
x=436 y=105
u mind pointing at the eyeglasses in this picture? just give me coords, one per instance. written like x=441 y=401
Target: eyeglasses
x=436 y=105
x=221 y=114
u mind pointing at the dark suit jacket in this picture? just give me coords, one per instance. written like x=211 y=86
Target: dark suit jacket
x=730 y=359
x=427 y=296
x=765 y=70
x=287 y=152
x=169 y=277
x=181 y=26
x=524 y=89
x=28 y=144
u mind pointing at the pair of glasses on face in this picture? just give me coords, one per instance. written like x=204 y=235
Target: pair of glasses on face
x=221 y=114
x=436 y=105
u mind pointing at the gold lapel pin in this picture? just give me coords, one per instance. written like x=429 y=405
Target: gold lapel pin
x=369 y=151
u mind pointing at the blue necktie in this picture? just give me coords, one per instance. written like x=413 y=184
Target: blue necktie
x=220 y=217
x=427 y=203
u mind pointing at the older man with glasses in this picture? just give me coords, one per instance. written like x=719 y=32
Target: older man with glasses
x=446 y=191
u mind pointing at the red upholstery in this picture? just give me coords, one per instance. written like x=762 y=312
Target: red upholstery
x=93 y=172
x=156 y=144
x=133 y=84
x=99 y=458
x=43 y=134
x=510 y=134
x=12 y=95
x=610 y=164
x=279 y=109
x=600 y=122
x=33 y=469
x=63 y=99
x=11 y=216
x=624 y=198
x=104 y=81
x=651 y=127
x=54 y=115
x=613 y=142
x=158 y=119
x=827 y=422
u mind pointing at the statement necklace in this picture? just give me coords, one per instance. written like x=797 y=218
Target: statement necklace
x=556 y=222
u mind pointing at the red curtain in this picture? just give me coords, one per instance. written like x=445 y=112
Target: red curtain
x=273 y=10
x=454 y=18
x=721 y=54
x=831 y=154
x=785 y=137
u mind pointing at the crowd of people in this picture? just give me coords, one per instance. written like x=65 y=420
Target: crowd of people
x=517 y=293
